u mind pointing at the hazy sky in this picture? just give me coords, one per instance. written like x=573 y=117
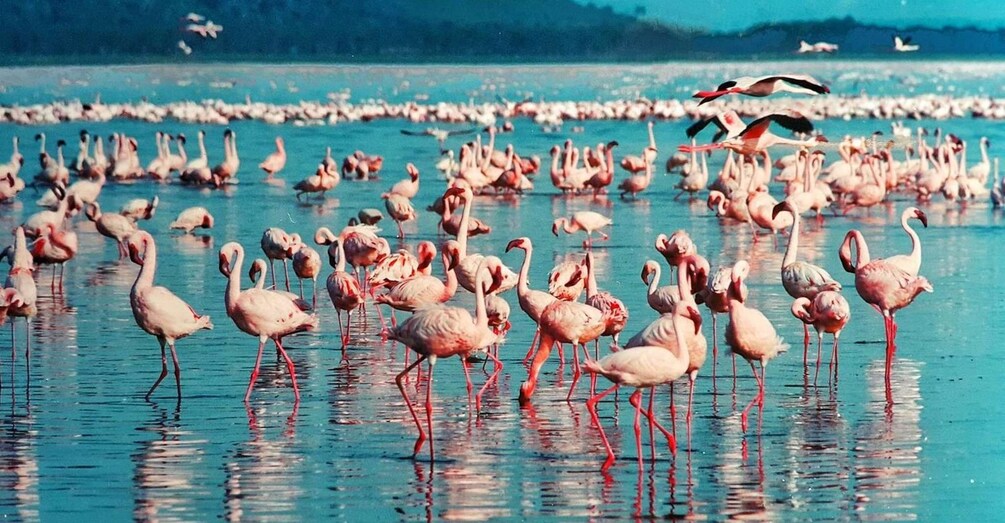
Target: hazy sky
x=725 y=15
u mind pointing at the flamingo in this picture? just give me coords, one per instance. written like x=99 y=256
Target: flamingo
x=643 y=367
x=274 y=162
x=614 y=312
x=715 y=297
x=321 y=182
x=277 y=244
x=262 y=313
x=636 y=183
x=587 y=221
x=750 y=334
x=441 y=332
x=910 y=263
x=54 y=246
x=193 y=218
x=344 y=291
x=637 y=164
x=307 y=266
x=112 y=225
x=532 y=301
x=157 y=310
x=566 y=280
x=756 y=138
x=886 y=286
x=408 y=188
x=468 y=263
x=828 y=312
x=19 y=277
x=801 y=279
x=765 y=86
x=660 y=299
x=451 y=223
x=140 y=209
x=423 y=290
x=729 y=124
x=400 y=209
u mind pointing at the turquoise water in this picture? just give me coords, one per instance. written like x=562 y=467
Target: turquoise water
x=78 y=439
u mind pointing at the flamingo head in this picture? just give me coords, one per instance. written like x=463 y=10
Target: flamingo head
x=740 y=271
x=648 y=269
x=555 y=150
x=781 y=207
x=134 y=243
x=225 y=268
x=458 y=191
x=556 y=224
x=452 y=251
x=413 y=172
x=256 y=268
x=207 y=221
x=801 y=310
x=425 y=253
x=690 y=310
x=921 y=216
x=519 y=243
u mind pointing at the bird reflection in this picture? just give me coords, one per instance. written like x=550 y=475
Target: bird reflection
x=261 y=474
x=166 y=477
x=19 y=474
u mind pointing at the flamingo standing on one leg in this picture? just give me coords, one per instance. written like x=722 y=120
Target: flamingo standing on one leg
x=157 y=310
x=750 y=334
x=884 y=285
x=441 y=332
x=643 y=367
x=262 y=313
x=828 y=312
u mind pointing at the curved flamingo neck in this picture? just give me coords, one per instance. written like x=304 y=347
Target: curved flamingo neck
x=263 y=271
x=462 y=235
x=523 y=285
x=340 y=266
x=915 y=255
x=202 y=146
x=145 y=279
x=793 y=247
x=681 y=351
x=683 y=279
x=591 y=278
x=450 y=285
x=234 y=281
x=861 y=254
x=654 y=283
x=481 y=313
x=569 y=226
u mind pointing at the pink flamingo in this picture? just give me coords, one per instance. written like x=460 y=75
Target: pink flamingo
x=307 y=265
x=643 y=367
x=586 y=221
x=441 y=332
x=344 y=291
x=410 y=187
x=274 y=162
x=55 y=246
x=801 y=279
x=637 y=164
x=262 y=313
x=884 y=285
x=422 y=291
x=637 y=183
x=157 y=310
x=19 y=277
x=277 y=244
x=533 y=302
x=193 y=218
x=614 y=312
x=911 y=263
x=714 y=296
x=468 y=264
x=111 y=225
x=828 y=312
x=566 y=281
x=750 y=334
x=400 y=209
x=660 y=299
x=765 y=86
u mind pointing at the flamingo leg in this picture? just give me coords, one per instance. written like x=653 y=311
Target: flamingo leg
x=177 y=368
x=591 y=405
x=746 y=410
x=635 y=400
x=254 y=373
x=533 y=343
x=493 y=377
x=286 y=271
x=834 y=354
x=290 y=368
x=543 y=350
x=301 y=282
x=692 y=377
x=806 y=342
x=467 y=377
x=576 y=372
x=820 y=341
x=429 y=409
x=272 y=271
x=649 y=417
x=314 y=289
x=408 y=402
x=164 y=368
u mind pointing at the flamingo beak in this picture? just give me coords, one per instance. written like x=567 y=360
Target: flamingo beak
x=695 y=316
x=224 y=263
x=554 y=229
x=922 y=216
x=134 y=254
x=777 y=209
x=454 y=191
x=514 y=244
x=645 y=274
x=576 y=278
x=454 y=262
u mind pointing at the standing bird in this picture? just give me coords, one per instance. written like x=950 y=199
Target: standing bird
x=20 y=278
x=468 y=265
x=344 y=291
x=54 y=246
x=765 y=86
x=307 y=266
x=112 y=225
x=400 y=209
x=637 y=183
x=532 y=301
x=274 y=162
x=278 y=245
x=801 y=279
x=750 y=334
x=614 y=312
x=441 y=332
x=140 y=209
x=587 y=221
x=157 y=310
x=193 y=218
x=424 y=290
x=408 y=188
x=828 y=312
x=643 y=367
x=262 y=313
x=884 y=285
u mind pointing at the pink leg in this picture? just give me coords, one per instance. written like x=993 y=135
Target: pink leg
x=493 y=377
x=591 y=405
x=889 y=355
x=272 y=271
x=289 y=368
x=576 y=372
x=429 y=410
x=254 y=373
x=286 y=271
x=746 y=410
x=635 y=400
x=177 y=368
x=408 y=403
x=690 y=397
x=467 y=377
x=301 y=282
x=820 y=341
x=164 y=369
x=806 y=342
x=533 y=344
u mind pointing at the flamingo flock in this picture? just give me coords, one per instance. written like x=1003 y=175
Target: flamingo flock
x=776 y=196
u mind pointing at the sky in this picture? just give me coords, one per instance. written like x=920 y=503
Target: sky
x=731 y=15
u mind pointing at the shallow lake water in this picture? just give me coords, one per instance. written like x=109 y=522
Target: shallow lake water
x=77 y=439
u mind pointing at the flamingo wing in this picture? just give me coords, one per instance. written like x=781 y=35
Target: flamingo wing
x=639 y=367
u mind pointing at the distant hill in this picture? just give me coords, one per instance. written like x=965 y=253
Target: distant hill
x=108 y=31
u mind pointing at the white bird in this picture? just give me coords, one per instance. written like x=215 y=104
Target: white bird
x=904 y=45
x=193 y=218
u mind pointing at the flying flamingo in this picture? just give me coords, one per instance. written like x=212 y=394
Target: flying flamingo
x=344 y=291
x=828 y=312
x=756 y=138
x=157 y=310
x=643 y=367
x=262 y=313
x=884 y=285
x=587 y=221
x=750 y=334
x=274 y=162
x=765 y=86
x=441 y=332
x=801 y=279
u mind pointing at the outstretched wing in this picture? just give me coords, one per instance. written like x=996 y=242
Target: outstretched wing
x=802 y=80
x=700 y=125
x=798 y=124
x=406 y=132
